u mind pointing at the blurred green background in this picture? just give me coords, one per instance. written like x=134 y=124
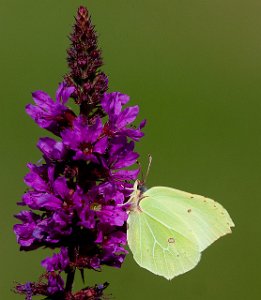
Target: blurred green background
x=194 y=67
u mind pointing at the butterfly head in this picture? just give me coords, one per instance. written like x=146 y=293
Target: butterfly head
x=142 y=187
x=137 y=195
x=139 y=189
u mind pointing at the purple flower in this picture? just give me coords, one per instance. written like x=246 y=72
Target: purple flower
x=118 y=119
x=113 y=250
x=106 y=214
x=100 y=207
x=25 y=232
x=51 y=149
x=27 y=289
x=37 y=178
x=58 y=262
x=40 y=179
x=85 y=139
x=56 y=227
x=42 y=231
x=49 y=114
x=55 y=284
x=52 y=288
x=42 y=201
x=121 y=154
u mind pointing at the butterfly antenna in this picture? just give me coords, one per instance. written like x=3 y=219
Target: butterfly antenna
x=148 y=170
x=142 y=174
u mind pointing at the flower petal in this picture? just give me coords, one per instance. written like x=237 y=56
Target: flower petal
x=40 y=201
x=52 y=149
x=63 y=93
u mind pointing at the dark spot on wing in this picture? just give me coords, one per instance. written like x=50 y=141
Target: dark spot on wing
x=171 y=240
x=189 y=210
x=191 y=197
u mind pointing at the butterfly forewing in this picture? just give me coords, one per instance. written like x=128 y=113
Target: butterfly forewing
x=202 y=217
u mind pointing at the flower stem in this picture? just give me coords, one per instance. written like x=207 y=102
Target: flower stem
x=70 y=272
x=69 y=281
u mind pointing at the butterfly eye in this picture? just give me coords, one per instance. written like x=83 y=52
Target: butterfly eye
x=142 y=188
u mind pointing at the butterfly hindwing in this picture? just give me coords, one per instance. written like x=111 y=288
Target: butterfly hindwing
x=159 y=248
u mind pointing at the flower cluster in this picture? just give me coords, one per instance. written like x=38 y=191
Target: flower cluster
x=75 y=197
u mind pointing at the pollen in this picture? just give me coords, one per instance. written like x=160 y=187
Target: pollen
x=95 y=206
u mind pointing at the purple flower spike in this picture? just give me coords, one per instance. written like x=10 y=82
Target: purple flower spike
x=77 y=191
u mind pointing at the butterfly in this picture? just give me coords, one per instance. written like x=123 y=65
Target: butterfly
x=168 y=228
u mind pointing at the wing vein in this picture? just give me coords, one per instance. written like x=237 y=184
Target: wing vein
x=140 y=242
x=169 y=227
x=167 y=266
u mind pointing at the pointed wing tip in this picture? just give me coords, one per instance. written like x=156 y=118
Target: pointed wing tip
x=174 y=276
x=230 y=224
x=169 y=278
